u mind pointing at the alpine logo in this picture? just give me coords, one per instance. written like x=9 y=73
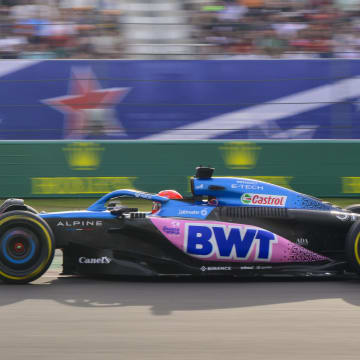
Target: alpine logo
x=263 y=200
x=102 y=260
x=87 y=223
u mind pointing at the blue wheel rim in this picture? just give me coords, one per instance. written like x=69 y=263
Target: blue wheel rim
x=5 y=251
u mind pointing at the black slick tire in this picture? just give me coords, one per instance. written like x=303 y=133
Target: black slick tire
x=355 y=208
x=27 y=247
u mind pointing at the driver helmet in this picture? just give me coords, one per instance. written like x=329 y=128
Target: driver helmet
x=170 y=194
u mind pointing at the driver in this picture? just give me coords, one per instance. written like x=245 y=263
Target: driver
x=170 y=194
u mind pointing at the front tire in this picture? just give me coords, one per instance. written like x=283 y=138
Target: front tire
x=27 y=247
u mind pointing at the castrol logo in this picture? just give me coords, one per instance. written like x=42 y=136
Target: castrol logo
x=263 y=200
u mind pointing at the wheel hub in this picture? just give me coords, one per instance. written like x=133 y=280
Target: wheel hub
x=19 y=248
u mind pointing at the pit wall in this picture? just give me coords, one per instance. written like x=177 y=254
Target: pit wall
x=92 y=168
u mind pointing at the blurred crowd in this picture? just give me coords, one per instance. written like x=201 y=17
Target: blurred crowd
x=48 y=29
x=93 y=29
x=280 y=28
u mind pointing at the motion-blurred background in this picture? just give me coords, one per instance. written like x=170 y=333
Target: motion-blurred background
x=184 y=29
x=97 y=95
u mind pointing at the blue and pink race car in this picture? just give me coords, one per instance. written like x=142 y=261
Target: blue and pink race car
x=234 y=227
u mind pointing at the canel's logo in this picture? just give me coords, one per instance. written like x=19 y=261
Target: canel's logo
x=263 y=200
x=102 y=260
x=228 y=242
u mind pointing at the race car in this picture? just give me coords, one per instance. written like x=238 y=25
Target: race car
x=230 y=226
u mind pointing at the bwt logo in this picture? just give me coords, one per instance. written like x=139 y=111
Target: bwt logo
x=228 y=242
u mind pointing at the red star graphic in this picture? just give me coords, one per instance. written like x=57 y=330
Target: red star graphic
x=85 y=94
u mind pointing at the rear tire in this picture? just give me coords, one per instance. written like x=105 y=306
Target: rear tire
x=355 y=208
x=27 y=247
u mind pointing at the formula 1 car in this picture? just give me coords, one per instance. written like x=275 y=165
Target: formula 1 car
x=230 y=226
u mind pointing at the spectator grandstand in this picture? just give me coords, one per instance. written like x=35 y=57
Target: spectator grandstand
x=179 y=29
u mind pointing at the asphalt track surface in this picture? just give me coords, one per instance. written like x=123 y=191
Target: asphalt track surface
x=81 y=318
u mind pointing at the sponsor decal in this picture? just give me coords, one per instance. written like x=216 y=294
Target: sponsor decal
x=344 y=216
x=202 y=212
x=213 y=202
x=74 y=223
x=228 y=242
x=283 y=181
x=351 y=185
x=80 y=185
x=247 y=187
x=245 y=181
x=143 y=196
x=246 y=198
x=240 y=154
x=102 y=260
x=302 y=241
x=259 y=267
x=263 y=199
x=83 y=155
x=199 y=187
x=171 y=230
x=215 y=268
